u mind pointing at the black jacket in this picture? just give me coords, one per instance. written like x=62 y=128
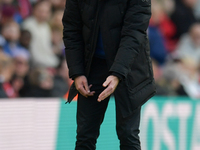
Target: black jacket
x=123 y=24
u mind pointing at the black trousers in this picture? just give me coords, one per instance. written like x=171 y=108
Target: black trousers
x=90 y=115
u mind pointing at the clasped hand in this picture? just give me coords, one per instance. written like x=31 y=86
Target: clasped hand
x=84 y=89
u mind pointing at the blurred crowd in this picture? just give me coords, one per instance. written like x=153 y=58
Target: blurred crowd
x=174 y=35
x=32 y=62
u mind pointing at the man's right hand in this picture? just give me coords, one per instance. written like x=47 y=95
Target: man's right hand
x=82 y=86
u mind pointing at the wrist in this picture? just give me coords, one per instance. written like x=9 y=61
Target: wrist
x=119 y=76
x=77 y=75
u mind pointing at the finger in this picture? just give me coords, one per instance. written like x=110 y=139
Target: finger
x=91 y=93
x=82 y=91
x=90 y=86
x=106 y=83
x=85 y=84
x=107 y=92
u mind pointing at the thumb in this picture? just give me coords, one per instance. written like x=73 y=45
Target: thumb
x=105 y=84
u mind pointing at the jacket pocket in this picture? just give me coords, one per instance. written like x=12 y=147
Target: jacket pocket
x=138 y=98
x=139 y=73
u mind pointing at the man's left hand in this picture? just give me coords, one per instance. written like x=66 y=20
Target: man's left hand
x=111 y=84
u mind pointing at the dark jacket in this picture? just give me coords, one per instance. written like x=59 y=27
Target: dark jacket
x=123 y=25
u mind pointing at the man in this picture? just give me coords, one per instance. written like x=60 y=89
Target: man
x=40 y=46
x=107 y=52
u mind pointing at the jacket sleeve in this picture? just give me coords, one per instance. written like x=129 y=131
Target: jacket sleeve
x=133 y=35
x=72 y=37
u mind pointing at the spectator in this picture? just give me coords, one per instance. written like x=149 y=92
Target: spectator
x=11 y=33
x=61 y=80
x=167 y=81
x=25 y=39
x=21 y=61
x=41 y=81
x=37 y=25
x=189 y=77
x=6 y=73
x=10 y=11
x=15 y=9
x=156 y=39
x=189 y=45
x=19 y=81
x=24 y=8
x=183 y=16
x=171 y=78
x=7 y=14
